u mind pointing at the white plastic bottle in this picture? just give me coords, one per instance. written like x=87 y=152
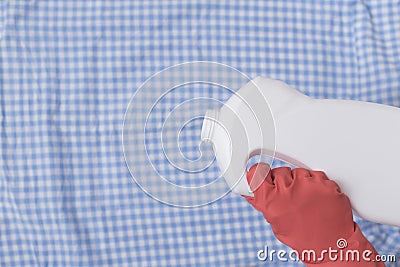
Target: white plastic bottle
x=356 y=143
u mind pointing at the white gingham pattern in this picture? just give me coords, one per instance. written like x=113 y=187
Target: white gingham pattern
x=67 y=72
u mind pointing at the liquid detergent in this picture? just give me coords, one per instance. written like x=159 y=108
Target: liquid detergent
x=355 y=143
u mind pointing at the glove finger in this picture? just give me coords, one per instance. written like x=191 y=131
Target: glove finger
x=250 y=175
x=324 y=178
x=332 y=184
x=319 y=174
x=300 y=173
x=282 y=177
x=262 y=175
x=258 y=173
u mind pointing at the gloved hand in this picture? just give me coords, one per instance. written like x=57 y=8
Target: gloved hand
x=307 y=211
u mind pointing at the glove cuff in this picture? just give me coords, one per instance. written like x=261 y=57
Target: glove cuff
x=355 y=251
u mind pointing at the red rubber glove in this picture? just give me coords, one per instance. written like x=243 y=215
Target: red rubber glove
x=307 y=211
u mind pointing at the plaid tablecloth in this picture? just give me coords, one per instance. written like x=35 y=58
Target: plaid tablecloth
x=67 y=72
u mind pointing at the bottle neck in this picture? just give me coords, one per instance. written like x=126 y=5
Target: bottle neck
x=210 y=120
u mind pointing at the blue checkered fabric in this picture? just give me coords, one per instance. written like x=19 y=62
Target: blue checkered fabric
x=67 y=72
